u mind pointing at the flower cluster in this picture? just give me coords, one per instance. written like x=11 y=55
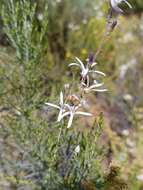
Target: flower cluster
x=67 y=110
x=71 y=106
x=88 y=79
x=89 y=83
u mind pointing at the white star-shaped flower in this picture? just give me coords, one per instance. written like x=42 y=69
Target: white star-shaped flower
x=85 y=69
x=115 y=5
x=72 y=111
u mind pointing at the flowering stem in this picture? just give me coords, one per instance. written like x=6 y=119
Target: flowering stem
x=109 y=29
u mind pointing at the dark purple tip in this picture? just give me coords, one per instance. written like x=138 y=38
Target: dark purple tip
x=91 y=58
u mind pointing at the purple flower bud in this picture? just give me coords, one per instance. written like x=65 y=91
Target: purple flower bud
x=91 y=58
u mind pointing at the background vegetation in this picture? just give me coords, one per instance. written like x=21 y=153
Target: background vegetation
x=38 y=39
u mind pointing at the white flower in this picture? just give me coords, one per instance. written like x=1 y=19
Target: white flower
x=115 y=5
x=94 y=87
x=67 y=110
x=72 y=110
x=85 y=69
x=77 y=149
x=61 y=106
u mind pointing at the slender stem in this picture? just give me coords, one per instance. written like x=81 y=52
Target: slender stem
x=60 y=132
x=106 y=34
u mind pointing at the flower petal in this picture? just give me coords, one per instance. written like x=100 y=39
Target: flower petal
x=76 y=107
x=96 y=85
x=52 y=105
x=64 y=115
x=98 y=72
x=82 y=65
x=93 y=64
x=60 y=115
x=61 y=98
x=74 y=64
x=83 y=113
x=70 y=121
x=99 y=90
x=130 y=6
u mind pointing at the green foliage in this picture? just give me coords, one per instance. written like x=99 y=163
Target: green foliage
x=25 y=28
x=46 y=154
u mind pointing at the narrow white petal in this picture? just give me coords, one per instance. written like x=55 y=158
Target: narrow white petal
x=83 y=113
x=93 y=64
x=96 y=85
x=84 y=72
x=117 y=9
x=98 y=72
x=60 y=115
x=130 y=6
x=74 y=64
x=76 y=107
x=64 y=115
x=52 y=105
x=82 y=65
x=99 y=90
x=70 y=121
x=61 y=98
x=83 y=84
